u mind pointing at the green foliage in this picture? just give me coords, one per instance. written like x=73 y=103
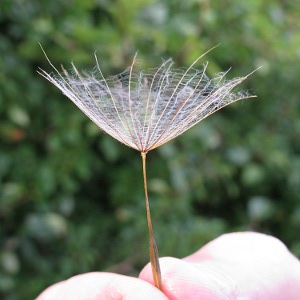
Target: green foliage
x=71 y=198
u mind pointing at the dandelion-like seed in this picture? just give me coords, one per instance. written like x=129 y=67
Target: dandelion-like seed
x=145 y=109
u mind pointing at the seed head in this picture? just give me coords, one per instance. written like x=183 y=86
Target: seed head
x=145 y=109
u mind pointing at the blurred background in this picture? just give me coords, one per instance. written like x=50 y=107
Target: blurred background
x=71 y=198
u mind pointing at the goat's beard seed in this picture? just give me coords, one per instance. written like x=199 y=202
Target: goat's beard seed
x=145 y=109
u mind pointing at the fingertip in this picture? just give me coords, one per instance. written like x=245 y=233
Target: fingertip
x=183 y=280
x=101 y=285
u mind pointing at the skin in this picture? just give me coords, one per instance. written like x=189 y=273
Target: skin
x=241 y=266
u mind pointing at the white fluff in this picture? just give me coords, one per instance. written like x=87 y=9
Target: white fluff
x=145 y=109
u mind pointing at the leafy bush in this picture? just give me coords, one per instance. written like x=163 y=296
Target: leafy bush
x=71 y=198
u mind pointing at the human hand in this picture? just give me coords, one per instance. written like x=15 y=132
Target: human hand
x=234 y=266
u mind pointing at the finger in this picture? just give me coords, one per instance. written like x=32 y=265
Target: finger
x=99 y=286
x=182 y=280
x=239 y=265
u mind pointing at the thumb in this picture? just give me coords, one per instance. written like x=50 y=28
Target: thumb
x=234 y=266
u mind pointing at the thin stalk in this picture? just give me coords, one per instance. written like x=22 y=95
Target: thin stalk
x=154 y=257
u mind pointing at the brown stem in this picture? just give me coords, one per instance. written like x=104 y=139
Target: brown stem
x=154 y=257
